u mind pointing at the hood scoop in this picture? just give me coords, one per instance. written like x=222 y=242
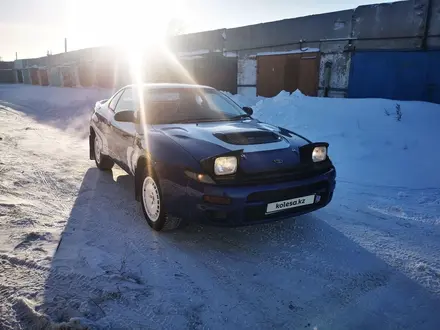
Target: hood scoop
x=248 y=138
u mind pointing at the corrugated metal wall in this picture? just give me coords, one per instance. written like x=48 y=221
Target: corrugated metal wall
x=412 y=75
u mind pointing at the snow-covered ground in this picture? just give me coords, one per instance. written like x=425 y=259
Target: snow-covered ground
x=370 y=260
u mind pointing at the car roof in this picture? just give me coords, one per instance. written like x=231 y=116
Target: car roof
x=170 y=86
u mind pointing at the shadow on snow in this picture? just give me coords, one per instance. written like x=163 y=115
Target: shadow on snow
x=112 y=271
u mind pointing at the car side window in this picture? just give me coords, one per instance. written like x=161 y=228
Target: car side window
x=126 y=101
x=114 y=101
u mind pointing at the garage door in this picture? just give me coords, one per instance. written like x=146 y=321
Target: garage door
x=287 y=72
x=396 y=75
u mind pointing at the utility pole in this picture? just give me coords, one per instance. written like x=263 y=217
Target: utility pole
x=16 y=56
x=65 y=45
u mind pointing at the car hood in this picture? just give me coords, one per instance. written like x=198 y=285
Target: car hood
x=264 y=147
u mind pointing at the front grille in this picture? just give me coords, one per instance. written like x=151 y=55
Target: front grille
x=275 y=177
x=300 y=172
x=283 y=194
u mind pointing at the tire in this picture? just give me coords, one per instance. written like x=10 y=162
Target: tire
x=103 y=162
x=152 y=203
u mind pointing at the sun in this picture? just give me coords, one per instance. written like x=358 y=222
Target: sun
x=136 y=27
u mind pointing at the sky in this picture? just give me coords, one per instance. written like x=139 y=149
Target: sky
x=33 y=27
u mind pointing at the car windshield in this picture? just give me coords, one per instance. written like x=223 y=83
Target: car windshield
x=184 y=105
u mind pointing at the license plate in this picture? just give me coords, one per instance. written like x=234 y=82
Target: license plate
x=290 y=203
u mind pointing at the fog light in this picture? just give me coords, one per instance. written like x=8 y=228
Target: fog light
x=217 y=200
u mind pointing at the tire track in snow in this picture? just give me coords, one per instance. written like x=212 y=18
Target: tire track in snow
x=23 y=278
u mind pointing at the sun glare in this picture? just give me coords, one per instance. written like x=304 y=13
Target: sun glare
x=128 y=23
x=138 y=28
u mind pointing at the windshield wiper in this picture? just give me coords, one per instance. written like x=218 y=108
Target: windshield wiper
x=192 y=120
x=242 y=116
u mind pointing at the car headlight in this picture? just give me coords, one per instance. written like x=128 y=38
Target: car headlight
x=225 y=165
x=319 y=154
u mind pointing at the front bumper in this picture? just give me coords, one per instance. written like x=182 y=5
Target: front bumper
x=248 y=203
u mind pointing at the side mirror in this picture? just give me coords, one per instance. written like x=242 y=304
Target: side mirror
x=99 y=104
x=248 y=110
x=126 y=116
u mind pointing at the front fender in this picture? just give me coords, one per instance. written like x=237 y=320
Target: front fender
x=169 y=161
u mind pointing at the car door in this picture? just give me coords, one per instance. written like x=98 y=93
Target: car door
x=108 y=114
x=123 y=133
x=101 y=120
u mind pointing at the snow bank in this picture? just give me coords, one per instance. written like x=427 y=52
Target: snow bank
x=244 y=100
x=368 y=144
x=65 y=108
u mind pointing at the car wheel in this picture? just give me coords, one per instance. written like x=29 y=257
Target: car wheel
x=103 y=162
x=152 y=204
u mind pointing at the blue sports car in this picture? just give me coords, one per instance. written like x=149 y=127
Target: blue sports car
x=197 y=156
